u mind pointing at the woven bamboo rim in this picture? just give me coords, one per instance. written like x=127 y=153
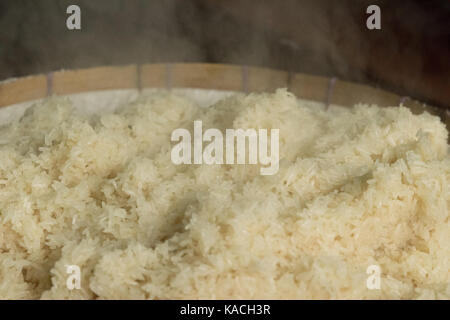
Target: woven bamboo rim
x=203 y=76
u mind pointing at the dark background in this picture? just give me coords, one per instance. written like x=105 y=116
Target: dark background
x=410 y=55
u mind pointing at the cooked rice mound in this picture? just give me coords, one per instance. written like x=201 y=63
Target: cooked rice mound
x=356 y=187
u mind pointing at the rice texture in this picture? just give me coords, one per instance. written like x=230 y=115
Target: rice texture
x=356 y=187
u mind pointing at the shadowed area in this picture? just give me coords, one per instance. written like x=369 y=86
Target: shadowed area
x=409 y=55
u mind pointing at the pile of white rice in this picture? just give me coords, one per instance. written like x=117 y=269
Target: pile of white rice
x=358 y=187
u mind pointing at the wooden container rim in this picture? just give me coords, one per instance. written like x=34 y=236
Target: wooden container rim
x=203 y=76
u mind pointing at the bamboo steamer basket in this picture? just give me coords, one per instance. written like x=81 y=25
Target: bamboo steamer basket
x=204 y=76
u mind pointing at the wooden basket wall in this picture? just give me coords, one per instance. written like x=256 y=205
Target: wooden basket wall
x=204 y=76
